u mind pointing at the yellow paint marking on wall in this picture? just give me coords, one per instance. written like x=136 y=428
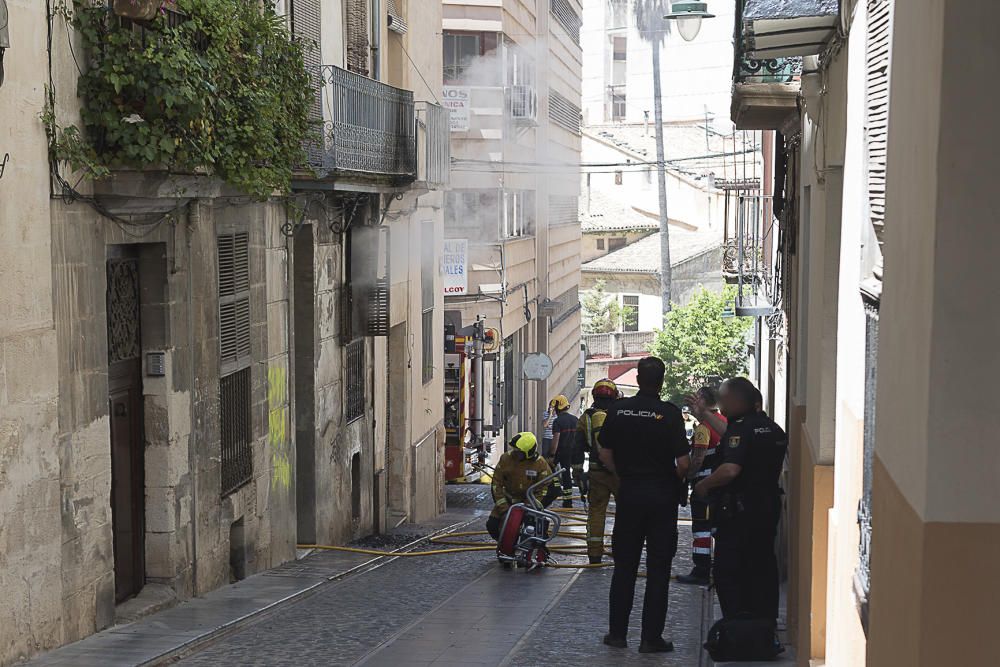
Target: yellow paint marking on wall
x=277 y=427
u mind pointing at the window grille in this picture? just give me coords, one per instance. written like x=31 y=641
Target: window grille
x=235 y=360
x=355 y=381
x=862 y=581
x=123 y=310
x=235 y=423
x=567 y=18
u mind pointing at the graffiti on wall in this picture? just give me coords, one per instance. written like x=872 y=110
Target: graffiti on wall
x=277 y=427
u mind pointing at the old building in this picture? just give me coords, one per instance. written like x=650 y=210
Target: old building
x=194 y=377
x=512 y=79
x=885 y=208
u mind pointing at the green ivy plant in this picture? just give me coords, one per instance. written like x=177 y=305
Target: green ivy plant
x=224 y=90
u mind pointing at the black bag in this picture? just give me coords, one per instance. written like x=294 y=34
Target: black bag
x=743 y=639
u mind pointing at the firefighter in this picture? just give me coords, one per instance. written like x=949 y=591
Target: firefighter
x=519 y=467
x=746 y=502
x=643 y=441
x=704 y=459
x=563 y=450
x=603 y=482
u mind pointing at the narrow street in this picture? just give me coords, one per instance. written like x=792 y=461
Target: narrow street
x=450 y=609
x=454 y=609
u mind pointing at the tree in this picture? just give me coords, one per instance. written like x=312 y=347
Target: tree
x=697 y=342
x=654 y=29
x=601 y=311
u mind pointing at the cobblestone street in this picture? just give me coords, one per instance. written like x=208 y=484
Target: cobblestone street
x=455 y=609
x=451 y=609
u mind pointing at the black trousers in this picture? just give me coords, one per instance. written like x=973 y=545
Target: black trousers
x=493 y=526
x=701 y=533
x=646 y=513
x=746 y=566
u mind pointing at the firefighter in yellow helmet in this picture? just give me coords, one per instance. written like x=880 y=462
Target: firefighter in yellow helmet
x=519 y=467
x=603 y=482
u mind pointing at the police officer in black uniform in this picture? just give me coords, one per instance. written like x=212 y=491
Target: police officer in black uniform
x=746 y=502
x=643 y=440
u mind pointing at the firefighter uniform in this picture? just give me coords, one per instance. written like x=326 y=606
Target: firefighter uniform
x=603 y=484
x=746 y=514
x=511 y=479
x=645 y=435
x=706 y=439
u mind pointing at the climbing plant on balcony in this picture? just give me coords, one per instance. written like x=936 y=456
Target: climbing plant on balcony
x=212 y=85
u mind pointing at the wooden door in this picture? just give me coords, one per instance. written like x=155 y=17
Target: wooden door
x=125 y=407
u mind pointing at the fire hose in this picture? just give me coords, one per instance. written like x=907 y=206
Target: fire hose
x=575 y=518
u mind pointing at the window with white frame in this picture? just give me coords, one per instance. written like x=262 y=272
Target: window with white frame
x=630 y=312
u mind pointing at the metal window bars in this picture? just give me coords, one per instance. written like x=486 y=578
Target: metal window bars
x=236 y=430
x=354 y=401
x=746 y=261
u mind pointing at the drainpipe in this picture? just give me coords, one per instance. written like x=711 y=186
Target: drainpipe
x=194 y=221
x=376 y=21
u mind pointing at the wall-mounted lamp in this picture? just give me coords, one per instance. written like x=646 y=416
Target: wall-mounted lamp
x=688 y=16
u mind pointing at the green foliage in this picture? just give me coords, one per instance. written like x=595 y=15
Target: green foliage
x=697 y=342
x=602 y=313
x=224 y=91
x=67 y=144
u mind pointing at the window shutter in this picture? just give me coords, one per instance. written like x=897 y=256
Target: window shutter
x=877 y=107
x=368 y=299
x=357 y=36
x=567 y=18
x=305 y=15
x=564 y=113
x=234 y=301
x=397 y=22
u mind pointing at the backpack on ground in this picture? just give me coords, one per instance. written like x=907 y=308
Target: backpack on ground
x=743 y=639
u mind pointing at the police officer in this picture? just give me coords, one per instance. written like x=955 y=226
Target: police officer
x=518 y=469
x=643 y=441
x=603 y=482
x=746 y=501
x=705 y=458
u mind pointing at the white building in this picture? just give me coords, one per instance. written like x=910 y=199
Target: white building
x=618 y=70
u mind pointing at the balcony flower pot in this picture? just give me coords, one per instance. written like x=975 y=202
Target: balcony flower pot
x=137 y=10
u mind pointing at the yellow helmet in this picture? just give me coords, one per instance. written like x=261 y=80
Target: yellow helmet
x=605 y=389
x=526 y=443
x=560 y=402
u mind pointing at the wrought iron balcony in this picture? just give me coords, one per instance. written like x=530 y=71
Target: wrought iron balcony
x=433 y=145
x=369 y=128
x=771 y=70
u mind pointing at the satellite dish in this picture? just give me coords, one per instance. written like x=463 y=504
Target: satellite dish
x=536 y=366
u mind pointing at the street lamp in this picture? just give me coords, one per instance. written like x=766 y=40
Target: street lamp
x=688 y=16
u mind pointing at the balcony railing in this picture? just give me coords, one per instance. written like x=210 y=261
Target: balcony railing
x=522 y=103
x=369 y=127
x=771 y=70
x=617 y=345
x=433 y=144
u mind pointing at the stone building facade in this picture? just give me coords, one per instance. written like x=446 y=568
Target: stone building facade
x=190 y=382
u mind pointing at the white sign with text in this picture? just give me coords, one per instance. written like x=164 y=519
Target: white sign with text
x=454 y=263
x=457 y=99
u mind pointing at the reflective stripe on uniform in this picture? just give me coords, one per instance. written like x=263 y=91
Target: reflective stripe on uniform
x=703 y=473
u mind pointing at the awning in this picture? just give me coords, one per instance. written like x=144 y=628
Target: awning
x=782 y=28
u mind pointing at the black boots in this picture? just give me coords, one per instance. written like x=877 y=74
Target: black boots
x=655 y=646
x=697 y=577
